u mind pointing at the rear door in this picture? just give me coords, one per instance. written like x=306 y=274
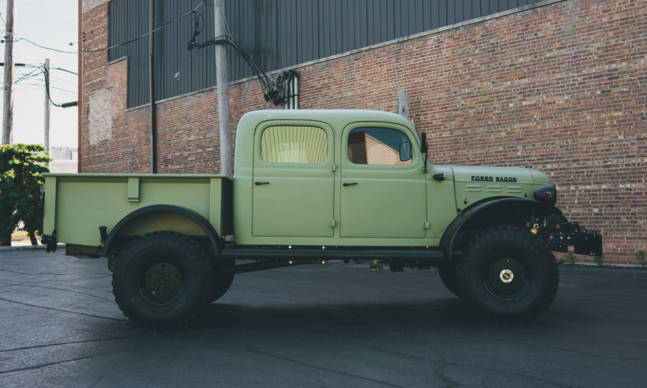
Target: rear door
x=293 y=180
x=383 y=191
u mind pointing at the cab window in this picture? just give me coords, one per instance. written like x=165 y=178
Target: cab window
x=383 y=146
x=294 y=144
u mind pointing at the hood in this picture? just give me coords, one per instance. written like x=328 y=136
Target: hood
x=494 y=175
x=474 y=183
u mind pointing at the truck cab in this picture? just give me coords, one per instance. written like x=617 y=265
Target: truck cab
x=339 y=177
x=311 y=186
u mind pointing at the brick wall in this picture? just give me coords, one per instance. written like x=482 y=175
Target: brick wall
x=562 y=88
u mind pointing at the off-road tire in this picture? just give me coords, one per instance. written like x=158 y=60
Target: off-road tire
x=486 y=258
x=157 y=249
x=223 y=278
x=447 y=273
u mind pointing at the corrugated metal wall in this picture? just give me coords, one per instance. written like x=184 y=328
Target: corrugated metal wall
x=276 y=33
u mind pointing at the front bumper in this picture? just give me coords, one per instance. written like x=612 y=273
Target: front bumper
x=564 y=235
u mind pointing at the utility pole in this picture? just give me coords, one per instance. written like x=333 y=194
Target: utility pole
x=226 y=163
x=7 y=103
x=151 y=85
x=46 y=129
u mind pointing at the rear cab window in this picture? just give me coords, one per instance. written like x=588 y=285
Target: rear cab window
x=299 y=144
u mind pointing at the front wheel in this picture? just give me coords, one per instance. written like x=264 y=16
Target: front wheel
x=163 y=278
x=508 y=273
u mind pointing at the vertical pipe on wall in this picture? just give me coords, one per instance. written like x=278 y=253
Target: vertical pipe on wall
x=151 y=88
x=79 y=98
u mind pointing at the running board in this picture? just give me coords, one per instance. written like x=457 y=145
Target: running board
x=333 y=254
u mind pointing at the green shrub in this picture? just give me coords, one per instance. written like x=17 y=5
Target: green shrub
x=598 y=260
x=571 y=258
x=640 y=256
x=21 y=178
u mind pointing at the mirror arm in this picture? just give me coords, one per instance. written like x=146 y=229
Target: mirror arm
x=423 y=148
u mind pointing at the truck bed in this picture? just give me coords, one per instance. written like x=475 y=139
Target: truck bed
x=76 y=205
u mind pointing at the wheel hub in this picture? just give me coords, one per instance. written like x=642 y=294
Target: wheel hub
x=161 y=283
x=506 y=275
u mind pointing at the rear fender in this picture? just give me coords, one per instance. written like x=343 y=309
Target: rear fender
x=185 y=221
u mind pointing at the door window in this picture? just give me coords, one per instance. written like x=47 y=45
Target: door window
x=294 y=144
x=374 y=145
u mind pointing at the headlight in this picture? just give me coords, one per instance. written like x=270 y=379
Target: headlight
x=546 y=194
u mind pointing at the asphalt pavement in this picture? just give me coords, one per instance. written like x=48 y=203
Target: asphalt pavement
x=333 y=325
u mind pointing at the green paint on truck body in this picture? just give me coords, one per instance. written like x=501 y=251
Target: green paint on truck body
x=292 y=203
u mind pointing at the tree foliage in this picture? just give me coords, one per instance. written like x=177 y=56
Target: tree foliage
x=21 y=179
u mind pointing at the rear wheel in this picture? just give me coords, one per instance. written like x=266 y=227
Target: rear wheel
x=508 y=273
x=162 y=278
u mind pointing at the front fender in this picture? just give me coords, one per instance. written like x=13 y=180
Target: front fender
x=500 y=206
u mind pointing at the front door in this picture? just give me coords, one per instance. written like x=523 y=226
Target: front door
x=383 y=191
x=293 y=181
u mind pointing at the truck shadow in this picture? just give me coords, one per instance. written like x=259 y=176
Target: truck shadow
x=442 y=312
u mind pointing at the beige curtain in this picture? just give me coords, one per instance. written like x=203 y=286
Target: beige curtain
x=294 y=144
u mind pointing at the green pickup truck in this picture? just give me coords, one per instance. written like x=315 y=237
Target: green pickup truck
x=312 y=186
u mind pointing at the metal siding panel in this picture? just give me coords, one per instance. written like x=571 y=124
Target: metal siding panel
x=476 y=8
x=316 y=42
x=426 y=15
x=359 y=23
x=372 y=26
x=346 y=30
x=442 y=12
x=310 y=42
x=451 y=12
x=277 y=33
x=459 y=11
x=294 y=36
x=327 y=18
x=400 y=24
x=435 y=13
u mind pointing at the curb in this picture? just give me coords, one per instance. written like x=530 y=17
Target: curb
x=604 y=266
x=27 y=247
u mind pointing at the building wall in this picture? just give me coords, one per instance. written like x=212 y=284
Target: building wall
x=562 y=88
x=275 y=33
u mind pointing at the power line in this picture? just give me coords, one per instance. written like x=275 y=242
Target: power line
x=40 y=85
x=65 y=70
x=31 y=74
x=49 y=96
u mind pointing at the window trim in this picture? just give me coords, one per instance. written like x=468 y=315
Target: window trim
x=414 y=140
x=261 y=127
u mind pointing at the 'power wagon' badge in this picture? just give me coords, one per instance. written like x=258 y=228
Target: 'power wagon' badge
x=502 y=179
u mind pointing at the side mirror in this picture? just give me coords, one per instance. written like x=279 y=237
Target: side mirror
x=405 y=150
x=423 y=143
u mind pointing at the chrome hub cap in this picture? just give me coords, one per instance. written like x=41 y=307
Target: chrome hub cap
x=506 y=275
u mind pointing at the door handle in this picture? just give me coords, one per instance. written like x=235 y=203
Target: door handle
x=261 y=183
x=350 y=183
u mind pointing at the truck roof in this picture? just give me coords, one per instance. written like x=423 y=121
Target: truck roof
x=335 y=117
